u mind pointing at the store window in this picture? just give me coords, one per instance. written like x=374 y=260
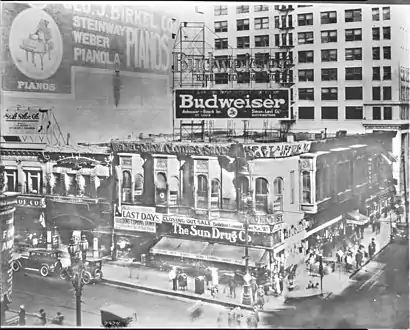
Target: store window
x=278 y=192
x=306 y=188
x=215 y=194
x=11 y=178
x=174 y=191
x=33 y=182
x=139 y=188
x=261 y=194
x=126 y=186
x=202 y=192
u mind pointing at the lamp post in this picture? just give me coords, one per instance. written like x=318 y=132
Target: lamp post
x=77 y=265
x=247 y=298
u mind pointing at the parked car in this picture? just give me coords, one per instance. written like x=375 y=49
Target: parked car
x=42 y=260
x=92 y=271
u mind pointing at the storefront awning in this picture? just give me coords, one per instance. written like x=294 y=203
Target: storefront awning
x=234 y=255
x=356 y=218
x=179 y=247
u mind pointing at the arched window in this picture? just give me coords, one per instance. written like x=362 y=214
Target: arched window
x=174 y=191
x=215 y=193
x=202 y=191
x=139 y=187
x=261 y=194
x=243 y=183
x=306 y=188
x=278 y=191
x=126 y=179
x=161 y=188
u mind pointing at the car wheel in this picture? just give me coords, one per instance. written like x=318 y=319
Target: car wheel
x=86 y=279
x=15 y=266
x=97 y=274
x=44 y=271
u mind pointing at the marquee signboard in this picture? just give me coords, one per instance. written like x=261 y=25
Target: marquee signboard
x=232 y=103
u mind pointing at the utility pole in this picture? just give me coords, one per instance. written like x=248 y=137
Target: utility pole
x=246 y=298
x=321 y=273
x=406 y=206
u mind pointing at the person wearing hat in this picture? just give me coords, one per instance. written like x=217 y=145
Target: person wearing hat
x=372 y=248
x=42 y=317
x=22 y=316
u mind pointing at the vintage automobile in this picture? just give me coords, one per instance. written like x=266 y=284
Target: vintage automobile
x=42 y=260
x=92 y=272
x=116 y=316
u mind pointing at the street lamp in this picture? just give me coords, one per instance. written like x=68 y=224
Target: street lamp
x=247 y=298
x=78 y=268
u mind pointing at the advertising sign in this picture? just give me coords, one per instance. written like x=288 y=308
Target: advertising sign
x=140 y=213
x=232 y=103
x=212 y=234
x=29 y=201
x=21 y=121
x=134 y=225
x=44 y=43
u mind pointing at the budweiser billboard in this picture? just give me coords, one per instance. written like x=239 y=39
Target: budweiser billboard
x=232 y=103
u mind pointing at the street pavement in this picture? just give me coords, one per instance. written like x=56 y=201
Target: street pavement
x=55 y=295
x=378 y=297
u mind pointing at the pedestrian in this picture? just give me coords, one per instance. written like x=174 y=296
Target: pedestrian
x=238 y=317
x=349 y=262
x=361 y=232
x=208 y=276
x=281 y=285
x=173 y=277
x=232 y=288
x=231 y=318
x=373 y=244
x=378 y=227
x=42 y=317
x=359 y=258
x=373 y=226
x=22 y=316
x=254 y=289
x=220 y=320
x=339 y=255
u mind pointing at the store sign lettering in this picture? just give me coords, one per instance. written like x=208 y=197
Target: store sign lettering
x=141 y=213
x=34 y=202
x=294 y=230
x=134 y=225
x=211 y=233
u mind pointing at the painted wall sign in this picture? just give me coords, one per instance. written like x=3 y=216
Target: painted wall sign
x=232 y=103
x=72 y=200
x=277 y=150
x=29 y=201
x=22 y=121
x=134 y=225
x=140 y=213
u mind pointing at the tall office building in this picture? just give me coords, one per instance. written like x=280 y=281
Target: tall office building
x=347 y=65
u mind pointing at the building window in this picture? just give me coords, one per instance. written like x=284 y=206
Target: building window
x=343 y=177
x=220 y=10
x=328 y=36
x=386 y=33
x=376 y=73
x=353 y=54
x=242 y=42
x=277 y=22
x=277 y=40
x=261 y=23
x=329 y=93
x=221 y=26
x=353 y=35
x=305 y=19
x=243 y=78
x=221 y=43
x=387 y=113
x=330 y=113
x=289 y=21
x=375 y=14
x=262 y=41
x=306 y=188
x=386 y=73
x=376 y=33
x=261 y=194
x=258 y=8
x=126 y=187
x=11 y=178
x=139 y=188
x=376 y=53
x=306 y=94
x=306 y=112
x=377 y=113
x=221 y=78
x=353 y=15
x=215 y=194
x=387 y=53
x=355 y=113
x=292 y=187
x=386 y=13
x=242 y=24
x=306 y=75
x=305 y=56
x=33 y=182
x=305 y=38
x=329 y=74
x=328 y=17
x=278 y=192
x=329 y=55
x=376 y=93
x=353 y=93
x=354 y=73
x=387 y=93
x=243 y=183
x=174 y=191
x=242 y=9
x=202 y=192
